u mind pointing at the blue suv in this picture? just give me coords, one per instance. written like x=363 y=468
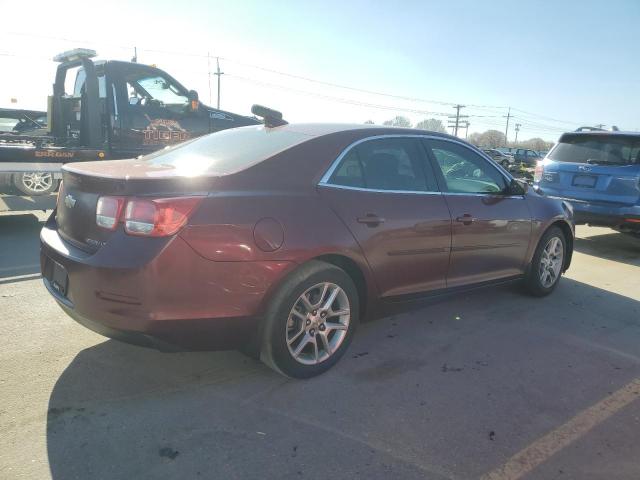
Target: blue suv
x=598 y=173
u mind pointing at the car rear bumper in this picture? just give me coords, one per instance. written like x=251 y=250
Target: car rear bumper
x=620 y=217
x=175 y=300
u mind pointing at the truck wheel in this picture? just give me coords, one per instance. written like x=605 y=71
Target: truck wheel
x=35 y=183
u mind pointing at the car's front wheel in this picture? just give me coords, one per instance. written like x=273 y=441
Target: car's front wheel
x=547 y=264
x=310 y=321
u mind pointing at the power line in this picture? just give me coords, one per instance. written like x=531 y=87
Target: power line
x=491 y=108
x=338 y=99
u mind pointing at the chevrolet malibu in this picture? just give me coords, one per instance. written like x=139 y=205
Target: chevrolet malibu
x=281 y=239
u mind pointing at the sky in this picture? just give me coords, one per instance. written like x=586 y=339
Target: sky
x=558 y=65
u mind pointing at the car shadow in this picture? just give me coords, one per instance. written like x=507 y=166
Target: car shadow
x=19 y=245
x=119 y=411
x=615 y=246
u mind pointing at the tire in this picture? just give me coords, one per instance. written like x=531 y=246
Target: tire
x=35 y=183
x=505 y=164
x=285 y=331
x=539 y=280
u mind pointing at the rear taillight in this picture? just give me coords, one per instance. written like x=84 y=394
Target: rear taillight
x=158 y=217
x=108 y=212
x=539 y=171
x=153 y=217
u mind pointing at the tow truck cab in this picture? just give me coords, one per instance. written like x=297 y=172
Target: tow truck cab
x=128 y=109
x=109 y=110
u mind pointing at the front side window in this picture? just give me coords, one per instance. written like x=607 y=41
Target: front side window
x=389 y=164
x=465 y=171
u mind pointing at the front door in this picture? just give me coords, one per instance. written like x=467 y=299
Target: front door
x=386 y=193
x=491 y=228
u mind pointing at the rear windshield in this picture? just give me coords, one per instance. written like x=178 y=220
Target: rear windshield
x=597 y=149
x=227 y=151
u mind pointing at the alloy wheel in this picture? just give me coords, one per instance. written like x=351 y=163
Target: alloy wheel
x=551 y=262
x=37 y=182
x=318 y=323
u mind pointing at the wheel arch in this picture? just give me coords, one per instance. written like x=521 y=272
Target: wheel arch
x=356 y=274
x=568 y=235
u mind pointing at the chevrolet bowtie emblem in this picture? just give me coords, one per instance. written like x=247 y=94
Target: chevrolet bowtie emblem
x=69 y=201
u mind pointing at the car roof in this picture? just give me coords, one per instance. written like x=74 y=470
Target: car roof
x=604 y=133
x=320 y=129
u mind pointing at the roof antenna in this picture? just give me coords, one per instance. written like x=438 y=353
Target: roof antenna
x=272 y=118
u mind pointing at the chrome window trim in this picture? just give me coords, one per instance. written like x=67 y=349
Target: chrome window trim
x=324 y=181
x=374 y=190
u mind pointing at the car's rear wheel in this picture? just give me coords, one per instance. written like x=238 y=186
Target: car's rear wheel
x=310 y=321
x=35 y=183
x=547 y=264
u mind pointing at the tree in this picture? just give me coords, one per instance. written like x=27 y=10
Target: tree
x=431 y=124
x=369 y=122
x=474 y=138
x=491 y=139
x=398 y=121
x=536 y=144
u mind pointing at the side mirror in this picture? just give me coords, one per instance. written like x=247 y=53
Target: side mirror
x=194 y=102
x=518 y=187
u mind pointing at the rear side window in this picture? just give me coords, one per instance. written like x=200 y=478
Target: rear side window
x=597 y=150
x=389 y=164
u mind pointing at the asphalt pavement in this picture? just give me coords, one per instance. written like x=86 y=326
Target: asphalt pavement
x=491 y=384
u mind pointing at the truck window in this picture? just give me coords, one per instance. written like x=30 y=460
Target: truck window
x=156 y=89
x=81 y=78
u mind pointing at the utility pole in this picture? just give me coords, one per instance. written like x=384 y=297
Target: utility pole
x=466 y=130
x=209 y=75
x=454 y=120
x=600 y=125
x=518 y=125
x=218 y=73
x=135 y=55
x=506 y=130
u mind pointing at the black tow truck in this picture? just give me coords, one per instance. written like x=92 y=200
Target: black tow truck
x=99 y=110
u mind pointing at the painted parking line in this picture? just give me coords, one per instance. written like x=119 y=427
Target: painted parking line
x=545 y=447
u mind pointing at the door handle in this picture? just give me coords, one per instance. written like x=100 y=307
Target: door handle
x=466 y=219
x=371 y=220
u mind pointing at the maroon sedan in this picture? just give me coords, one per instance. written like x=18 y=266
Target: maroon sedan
x=284 y=238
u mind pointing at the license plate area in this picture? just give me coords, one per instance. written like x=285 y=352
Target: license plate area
x=587 y=181
x=57 y=276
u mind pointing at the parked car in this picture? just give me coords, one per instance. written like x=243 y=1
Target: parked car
x=527 y=157
x=284 y=238
x=503 y=159
x=598 y=172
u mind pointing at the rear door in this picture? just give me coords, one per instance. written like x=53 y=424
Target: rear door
x=385 y=192
x=491 y=229
x=594 y=167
